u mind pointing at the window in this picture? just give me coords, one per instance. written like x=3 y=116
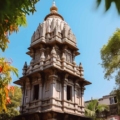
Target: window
x=113 y=100
x=69 y=92
x=36 y=92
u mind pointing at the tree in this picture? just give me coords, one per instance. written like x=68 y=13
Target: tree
x=108 y=4
x=12 y=16
x=110 y=55
x=93 y=107
x=13 y=107
x=5 y=78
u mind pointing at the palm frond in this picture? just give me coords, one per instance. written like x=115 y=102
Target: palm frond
x=89 y=113
x=102 y=107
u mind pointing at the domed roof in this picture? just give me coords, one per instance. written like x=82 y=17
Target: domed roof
x=54 y=28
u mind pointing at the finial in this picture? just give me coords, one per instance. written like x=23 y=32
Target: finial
x=53 y=3
x=53 y=9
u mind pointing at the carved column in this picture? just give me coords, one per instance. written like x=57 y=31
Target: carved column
x=75 y=96
x=74 y=67
x=63 y=61
x=40 y=91
x=27 y=90
x=42 y=59
x=82 y=99
x=53 y=56
x=30 y=78
x=23 y=97
x=64 y=92
x=43 y=31
x=53 y=79
x=32 y=61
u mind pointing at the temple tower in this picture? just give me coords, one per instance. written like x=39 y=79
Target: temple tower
x=52 y=85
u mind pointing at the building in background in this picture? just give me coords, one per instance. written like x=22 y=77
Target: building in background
x=53 y=85
x=111 y=101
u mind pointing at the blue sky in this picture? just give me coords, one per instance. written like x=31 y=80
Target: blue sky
x=92 y=27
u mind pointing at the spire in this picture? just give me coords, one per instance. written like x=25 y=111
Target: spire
x=53 y=9
x=53 y=3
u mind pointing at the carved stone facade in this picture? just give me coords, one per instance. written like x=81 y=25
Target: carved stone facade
x=52 y=85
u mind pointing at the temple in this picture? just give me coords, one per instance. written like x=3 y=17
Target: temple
x=52 y=85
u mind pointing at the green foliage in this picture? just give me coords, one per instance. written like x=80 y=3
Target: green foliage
x=5 y=78
x=108 y=4
x=93 y=107
x=110 y=55
x=13 y=107
x=16 y=98
x=13 y=15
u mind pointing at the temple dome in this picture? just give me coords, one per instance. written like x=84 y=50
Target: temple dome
x=54 y=26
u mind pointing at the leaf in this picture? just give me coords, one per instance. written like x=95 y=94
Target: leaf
x=108 y=4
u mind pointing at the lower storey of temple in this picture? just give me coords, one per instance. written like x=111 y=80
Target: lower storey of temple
x=50 y=116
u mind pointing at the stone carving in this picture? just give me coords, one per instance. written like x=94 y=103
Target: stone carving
x=37 y=34
x=58 y=25
x=58 y=86
x=43 y=29
x=56 y=31
x=53 y=52
x=53 y=25
x=42 y=57
x=68 y=58
x=70 y=35
x=63 y=56
x=66 y=30
x=78 y=92
x=47 y=85
x=48 y=36
x=37 y=55
x=48 y=25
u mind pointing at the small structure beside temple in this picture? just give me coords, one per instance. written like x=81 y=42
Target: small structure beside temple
x=52 y=85
x=113 y=105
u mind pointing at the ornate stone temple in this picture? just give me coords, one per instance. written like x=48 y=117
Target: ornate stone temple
x=52 y=85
